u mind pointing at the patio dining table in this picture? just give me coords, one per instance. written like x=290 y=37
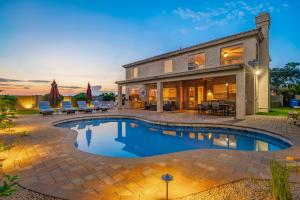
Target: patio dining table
x=223 y=106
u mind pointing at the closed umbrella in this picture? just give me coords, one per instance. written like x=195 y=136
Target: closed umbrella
x=54 y=94
x=89 y=94
x=88 y=136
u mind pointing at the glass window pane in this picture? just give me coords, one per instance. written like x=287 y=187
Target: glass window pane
x=169 y=94
x=196 y=61
x=168 y=66
x=232 y=55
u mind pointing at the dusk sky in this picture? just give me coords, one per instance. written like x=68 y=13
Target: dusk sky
x=76 y=42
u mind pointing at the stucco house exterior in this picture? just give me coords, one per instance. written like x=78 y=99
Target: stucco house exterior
x=234 y=68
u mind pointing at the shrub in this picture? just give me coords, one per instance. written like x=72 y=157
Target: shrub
x=7 y=111
x=8 y=185
x=109 y=97
x=280 y=181
x=3 y=146
x=80 y=97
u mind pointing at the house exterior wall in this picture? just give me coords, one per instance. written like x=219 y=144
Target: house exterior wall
x=252 y=82
x=180 y=62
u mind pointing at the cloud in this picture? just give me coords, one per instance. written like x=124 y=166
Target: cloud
x=3 y=80
x=38 y=81
x=233 y=11
x=8 y=80
x=70 y=87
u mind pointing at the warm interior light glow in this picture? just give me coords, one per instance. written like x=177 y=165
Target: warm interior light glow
x=257 y=72
x=232 y=55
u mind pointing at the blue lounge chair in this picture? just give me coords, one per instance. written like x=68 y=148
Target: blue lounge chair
x=67 y=107
x=100 y=106
x=83 y=107
x=45 y=108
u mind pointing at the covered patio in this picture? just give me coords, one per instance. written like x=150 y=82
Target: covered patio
x=191 y=90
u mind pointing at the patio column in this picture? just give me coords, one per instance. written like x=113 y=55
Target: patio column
x=120 y=96
x=159 y=96
x=180 y=96
x=240 y=95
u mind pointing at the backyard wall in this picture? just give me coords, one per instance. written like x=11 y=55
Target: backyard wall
x=31 y=102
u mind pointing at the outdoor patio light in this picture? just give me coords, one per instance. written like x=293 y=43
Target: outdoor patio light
x=257 y=71
x=167 y=178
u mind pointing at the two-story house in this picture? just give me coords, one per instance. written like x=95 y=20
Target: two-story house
x=234 y=68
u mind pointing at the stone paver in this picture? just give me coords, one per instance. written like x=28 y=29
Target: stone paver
x=48 y=162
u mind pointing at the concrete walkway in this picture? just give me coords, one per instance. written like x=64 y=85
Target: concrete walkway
x=48 y=162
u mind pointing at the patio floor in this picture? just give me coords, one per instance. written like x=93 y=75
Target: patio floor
x=47 y=161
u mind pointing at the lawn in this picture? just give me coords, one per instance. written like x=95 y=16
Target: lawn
x=283 y=111
x=27 y=112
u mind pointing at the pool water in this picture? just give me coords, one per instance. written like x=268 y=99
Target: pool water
x=130 y=138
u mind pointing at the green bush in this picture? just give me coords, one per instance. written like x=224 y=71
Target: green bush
x=7 y=111
x=78 y=97
x=280 y=181
x=11 y=99
x=8 y=185
x=3 y=146
x=108 y=97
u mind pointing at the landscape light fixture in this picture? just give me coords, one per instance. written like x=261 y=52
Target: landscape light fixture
x=167 y=178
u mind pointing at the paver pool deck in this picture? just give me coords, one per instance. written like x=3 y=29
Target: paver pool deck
x=47 y=161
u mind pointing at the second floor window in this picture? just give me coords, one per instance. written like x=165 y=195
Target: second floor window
x=232 y=55
x=196 y=61
x=168 y=66
x=134 y=72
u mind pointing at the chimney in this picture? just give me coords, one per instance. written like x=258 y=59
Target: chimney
x=262 y=22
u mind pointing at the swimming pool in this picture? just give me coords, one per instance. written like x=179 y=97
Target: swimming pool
x=131 y=138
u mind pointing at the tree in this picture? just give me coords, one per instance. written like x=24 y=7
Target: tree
x=276 y=79
x=285 y=77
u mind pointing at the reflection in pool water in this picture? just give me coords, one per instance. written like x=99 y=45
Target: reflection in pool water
x=134 y=138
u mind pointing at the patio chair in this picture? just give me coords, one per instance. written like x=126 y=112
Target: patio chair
x=45 y=109
x=231 y=109
x=67 y=107
x=293 y=116
x=147 y=106
x=100 y=106
x=197 y=109
x=83 y=107
x=215 y=107
x=204 y=107
x=167 y=106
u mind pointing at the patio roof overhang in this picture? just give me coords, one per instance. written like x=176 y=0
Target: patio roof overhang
x=187 y=75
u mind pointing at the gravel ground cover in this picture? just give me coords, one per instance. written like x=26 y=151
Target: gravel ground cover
x=241 y=190
x=24 y=194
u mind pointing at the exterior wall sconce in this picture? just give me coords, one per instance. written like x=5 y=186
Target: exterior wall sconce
x=257 y=71
x=167 y=178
